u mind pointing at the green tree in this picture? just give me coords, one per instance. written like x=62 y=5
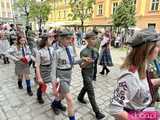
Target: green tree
x=23 y=6
x=39 y=11
x=81 y=10
x=124 y=15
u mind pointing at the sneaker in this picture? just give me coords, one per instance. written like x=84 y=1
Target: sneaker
x=99 y=115
x=82 y=101
x=20 y=86
x=55 y=110
x=40 y=100
x=29 y=91
x=62 y=107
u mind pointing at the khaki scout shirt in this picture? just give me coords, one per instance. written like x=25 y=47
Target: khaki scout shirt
x=44 y=56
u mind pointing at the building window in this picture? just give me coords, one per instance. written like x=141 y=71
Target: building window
x=9 y=15
x=8 y=5
x=59 y=14
x=155 y=4
x=3 y=14
x=2 y=5
x=65 y=2
x=114 y=7
x=100 y=10
x=151 y=27
x=64 y=14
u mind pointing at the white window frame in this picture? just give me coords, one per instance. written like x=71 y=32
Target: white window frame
x=114 y=7
x=154 y=2
x=100 y=9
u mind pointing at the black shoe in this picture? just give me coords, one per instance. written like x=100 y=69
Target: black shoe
x=82 y=101
x=55 y=110
x=94 y=79
x=107 y=71
x=5 y=62
x=102 y=72
x=20 y=86
x=39 y=96
x=62 y=107
x=29 y=91
x=99 y=115
x=40 y=100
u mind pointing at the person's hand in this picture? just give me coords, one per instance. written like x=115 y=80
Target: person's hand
x=40 y=81
x=87 y=60
x=24 y=60
x=56 y=87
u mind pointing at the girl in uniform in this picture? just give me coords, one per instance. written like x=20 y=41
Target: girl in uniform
x=135 y=89
x=43 y=64
x=22 y=55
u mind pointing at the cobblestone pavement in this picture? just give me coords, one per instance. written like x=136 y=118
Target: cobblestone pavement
x=15 y=104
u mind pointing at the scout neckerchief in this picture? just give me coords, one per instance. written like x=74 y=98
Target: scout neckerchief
x=23 y=51
x=69 y=56
x=50 y=55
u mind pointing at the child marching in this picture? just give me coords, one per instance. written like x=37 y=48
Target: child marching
x=63 y=63
x=43 y=65
x=88 y=74
x=21 y=54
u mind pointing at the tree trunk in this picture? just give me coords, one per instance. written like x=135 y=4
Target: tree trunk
x=40 y=26
x=82 y=26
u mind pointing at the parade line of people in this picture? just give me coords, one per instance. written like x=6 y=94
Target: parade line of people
x=54 y=56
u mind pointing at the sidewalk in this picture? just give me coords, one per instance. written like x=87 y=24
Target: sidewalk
x=15 y=104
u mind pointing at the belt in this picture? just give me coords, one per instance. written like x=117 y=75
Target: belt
x=46 y=65
x=67 y=69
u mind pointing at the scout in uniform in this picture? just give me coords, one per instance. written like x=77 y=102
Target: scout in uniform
x=22 y=55
x=43 y=64
x=135 y=88
x=88 y=74
x=63 y=63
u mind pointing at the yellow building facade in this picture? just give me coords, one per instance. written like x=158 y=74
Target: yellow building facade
x=147 y=13
x=59 y=14
x=6 y=13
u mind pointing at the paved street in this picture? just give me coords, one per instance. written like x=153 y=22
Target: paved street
x=15 y=104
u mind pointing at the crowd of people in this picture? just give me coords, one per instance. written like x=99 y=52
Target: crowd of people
x=53 y=56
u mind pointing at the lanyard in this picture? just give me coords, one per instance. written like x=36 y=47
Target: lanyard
x=69 y=56
x=50 y=55
x=23 y=52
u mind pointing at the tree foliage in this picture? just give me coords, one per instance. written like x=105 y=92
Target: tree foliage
x=81 y=10
x=40 y=10
x=124 y=15
x=33 y=9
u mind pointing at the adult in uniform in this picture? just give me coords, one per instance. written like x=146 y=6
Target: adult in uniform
x=135 y=88
x=62 y=69
x=88 y=73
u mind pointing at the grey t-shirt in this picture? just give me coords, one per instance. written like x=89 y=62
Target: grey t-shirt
x=131 y=93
